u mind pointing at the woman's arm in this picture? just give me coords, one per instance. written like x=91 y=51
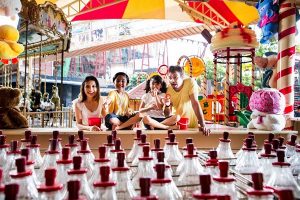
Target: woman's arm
x=198 y=111
x=79 y=124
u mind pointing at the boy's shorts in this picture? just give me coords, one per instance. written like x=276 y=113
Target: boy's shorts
x=156 y=119
x=120 y=117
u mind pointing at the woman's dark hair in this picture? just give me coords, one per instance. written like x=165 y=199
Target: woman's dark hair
x=156 y=79
x=82 y=95
x=121 y=74
x=177 y=68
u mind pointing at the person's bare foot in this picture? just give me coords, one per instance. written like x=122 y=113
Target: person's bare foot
x=174 y=127
x=151 y=128
x=114 y=127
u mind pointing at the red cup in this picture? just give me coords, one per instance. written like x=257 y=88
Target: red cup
x=94 y=121
x=183 y=123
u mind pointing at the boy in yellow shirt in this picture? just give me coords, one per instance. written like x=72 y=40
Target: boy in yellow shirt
x=120 y=116
x=184 y=99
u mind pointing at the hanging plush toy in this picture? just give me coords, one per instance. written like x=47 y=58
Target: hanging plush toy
x=10 y=8
x=268 y=63
x=268 y=22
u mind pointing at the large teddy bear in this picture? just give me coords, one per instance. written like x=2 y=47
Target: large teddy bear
x=268 y=107
x=10 y=115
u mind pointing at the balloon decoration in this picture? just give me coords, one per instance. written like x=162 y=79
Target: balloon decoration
x=198 y=67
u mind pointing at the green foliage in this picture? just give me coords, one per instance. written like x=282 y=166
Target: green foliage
x=136 y=79
x=263 y=48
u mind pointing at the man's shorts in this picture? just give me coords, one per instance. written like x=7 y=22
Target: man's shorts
x=120 y=117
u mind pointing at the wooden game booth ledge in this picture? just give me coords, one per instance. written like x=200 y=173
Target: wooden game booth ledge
x=203 y=142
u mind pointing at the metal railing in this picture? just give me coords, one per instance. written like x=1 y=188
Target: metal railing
x=61 y=119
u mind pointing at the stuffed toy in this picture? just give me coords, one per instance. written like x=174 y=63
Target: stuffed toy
x=55 y=99
x=268 y=21
x=35 y=100
x=10 y=115
x=9 y=48
x=10 y=8
x=268 y=108
x=268 y=63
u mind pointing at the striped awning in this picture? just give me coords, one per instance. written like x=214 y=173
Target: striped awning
x=134 y=41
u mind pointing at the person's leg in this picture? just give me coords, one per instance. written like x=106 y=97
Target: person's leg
x=153 y=123
x=170 y=121
x=112 y=121
x=131 y=121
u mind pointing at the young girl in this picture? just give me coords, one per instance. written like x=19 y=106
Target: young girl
x=152 y=105
x=120 y=116
x=89 y=104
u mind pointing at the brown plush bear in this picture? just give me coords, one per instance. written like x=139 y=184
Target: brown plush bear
x=10 y=115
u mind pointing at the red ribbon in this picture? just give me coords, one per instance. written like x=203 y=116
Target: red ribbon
x=287 y=52
x=287 y=32
x=286 y=90
x=288 y=109
x=284 y=72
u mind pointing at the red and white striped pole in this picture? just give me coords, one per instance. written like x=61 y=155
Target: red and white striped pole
x=286 y=55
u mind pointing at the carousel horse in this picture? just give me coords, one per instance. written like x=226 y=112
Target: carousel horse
x=47 y=106
x=56 y=101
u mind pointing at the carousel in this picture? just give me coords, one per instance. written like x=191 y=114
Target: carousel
x=252 y=151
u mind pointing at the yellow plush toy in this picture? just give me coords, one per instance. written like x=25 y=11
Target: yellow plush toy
x=9 y=48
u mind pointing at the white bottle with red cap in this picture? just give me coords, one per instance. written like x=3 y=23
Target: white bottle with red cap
x=167 y=139
x=102 y=160
x=87 y=157
x=82 y=137
x=248 y=162
x=110 y=145
x=224 y=148
x=224 y=184
x=295 y=162
x=4 y=148
x=161 y=186
x=168 y=170
x=172 y=153
x=26 y=140
x=114 y=152
x=51 y=190
x=145 y=167
x=50 y=158
x=11 y=191
x=191 y=168
x=10 y=164
x=23 y=177
x=271 y=136
x=78 y=173
x=30 y=165
x=63 y=165
x=34 y=152
x=266 y=160
x=212 y=164
x=134 y=150
x=72 y=145
x=240 y=152
x=184 y=152
x=291 y=146
x=282 y=177
x=105 y=188
x=145 y=185
x=205 y=190
x=121 y=175
x=1 y=185
x=258 y=192
x=55 y=136
x=73 y=191
x=156 y=149
x=139 y=154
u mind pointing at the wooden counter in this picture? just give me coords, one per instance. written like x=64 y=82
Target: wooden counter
x=127 y=136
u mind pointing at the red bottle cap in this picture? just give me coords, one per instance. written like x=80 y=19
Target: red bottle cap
x=33 y=140
x=172 y=137
x=14 y=146
x=223 y=166
x=50 y=175
x=213 y=154
x=249 y=143
x=190 y=149
x=1 y=132
x=55 y=134
x=292 y=142
x=102 y=152
x=275 y=144
x=281 y=141
x=27 y=136
x=11 y=191
x=157 y=143
x=121 y=159
x=145 y=184
x=169 y=132
x=257 y=179
x=2 y=140
x=104 y=173
x=77 y=162
x=225 y=135
x=53 y=145
x=143 y=138
x=20 y=164
x=160 y=156
x=188 y=140
x=146 y=150
x=271 y=137
x=73 y=189
x=25 y=153
x=285 y=194
x=280 y=155
x=109 y=139
x=83 y=146
x=160 y=170
x=80 y=134
x=65 y=153
x=268 y=148
x=205 y=182
x=138 y=134
x=118 y=145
